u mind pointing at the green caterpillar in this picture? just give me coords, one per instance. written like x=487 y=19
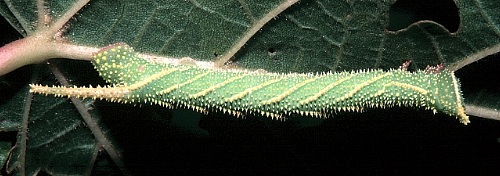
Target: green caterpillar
x=135 y=80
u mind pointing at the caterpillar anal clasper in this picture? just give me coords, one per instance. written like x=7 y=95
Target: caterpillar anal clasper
x=134 y=80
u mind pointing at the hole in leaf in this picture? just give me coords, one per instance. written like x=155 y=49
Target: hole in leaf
x=8 y=136
x=403 y=13
x=271 y=51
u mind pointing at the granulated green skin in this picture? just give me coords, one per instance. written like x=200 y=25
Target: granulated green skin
x=134 y=79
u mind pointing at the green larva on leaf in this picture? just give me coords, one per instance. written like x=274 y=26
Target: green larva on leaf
x=136 y=80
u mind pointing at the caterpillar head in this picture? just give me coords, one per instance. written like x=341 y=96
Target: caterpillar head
x=119 y=64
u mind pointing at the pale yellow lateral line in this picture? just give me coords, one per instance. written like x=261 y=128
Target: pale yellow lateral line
x=172 y=88
x=407 y=86
x=402 y=85
x=151 y=79
x=288 y=92
x=324 y=91
x=251 y=89
x=361 y=86
x=212 y=88
x=460 y=108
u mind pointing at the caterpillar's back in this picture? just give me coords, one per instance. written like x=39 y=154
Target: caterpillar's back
x=134 y=79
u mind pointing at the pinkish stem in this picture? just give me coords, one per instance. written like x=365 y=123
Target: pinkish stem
x=36 y=49
x=23 y=52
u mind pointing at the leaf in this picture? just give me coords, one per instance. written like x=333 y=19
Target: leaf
x=4 y=151
x=310 y=36
x=333 y=35
x=54 y=143
x=10 y=111
x=57 y=144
